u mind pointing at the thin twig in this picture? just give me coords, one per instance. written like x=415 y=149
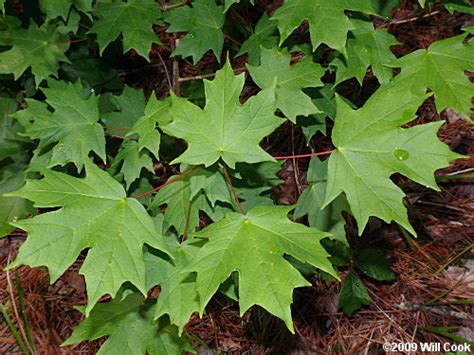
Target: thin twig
x=229 y=181
x=176 y=78
x=119 y=137
x=116 y=128
x=305 y=155
x=168 y=78
x=413 y=19
x=187 y=172
x=210 y=75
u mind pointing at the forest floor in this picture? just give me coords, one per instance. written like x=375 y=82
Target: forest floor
x=430 y=300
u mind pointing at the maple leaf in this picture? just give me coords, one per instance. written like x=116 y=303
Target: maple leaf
x=290 y=80
x=12 y=178
x=155 y=112
x=263 y=36
x=229 y=3
x=203 y=22
x=327 y=21
x=133 y=161
x=371 y=146
x=254 y=245
x=38 y=48
x=60 y=8
x=127 y=321
x=94 y=214
x=224 y=128
x=312 y=199
x=129 y=107
x=178 y=295
x=183 y=209
x=133 y=19
x=441 y=69
x=72 y=127
x=368 y=47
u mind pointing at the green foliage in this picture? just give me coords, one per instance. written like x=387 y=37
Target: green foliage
x=203 y=22
x=371 y=146
x=353 y=294
x=290 y=80
x=133 y=20
x=95 y=214
x=224 y=128
x=368 y=47
x=72 y=127
x=180 y=190
x=328 y=23
x=254 y=245
x=127 y=321
x=39 y=48
x=441 y=68
x=263 y=36
x=60 y=8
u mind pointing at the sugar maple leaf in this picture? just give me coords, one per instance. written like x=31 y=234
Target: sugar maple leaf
x=145 y=126
x=203 y=22
x=178 y=295
x=441 y=68
x=229 y=3
x=127 y=321
x=94 y=214
x=72 y=127
x=371 y=146
x=60 y=8
x=368 y=47
x=183 y=208
x=224 y=128
x=38 y=48
x=133 y=19
x=254 y=245
x=290 y=80
x=312 y=199
x=133 y=161
x=327 y=21
x=264 y=36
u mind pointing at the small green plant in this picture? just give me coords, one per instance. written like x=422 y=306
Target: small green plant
x=80 y=151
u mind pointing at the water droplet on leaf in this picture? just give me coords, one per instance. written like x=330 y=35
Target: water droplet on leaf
x=401 y=154
x=192 y=35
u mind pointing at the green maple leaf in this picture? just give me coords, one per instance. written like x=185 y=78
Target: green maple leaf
x=94 y=214
x=133 y=161
x=60 y=8
x=441 y=69
x=224 y=128
x=127 y=321
x=12 y=178
x=290 y=80
x=203 y=22
x=72 y=127
x=129 y=107
x=254 y=245
x=38 y=48
x=368 y=47
x=371 y=146
x=155 y=112
x=229 y=3
x=263 y=36
x=183 y=208
x=311 y=202
x=327 y=21
x=133 y=19
x=178 y=295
